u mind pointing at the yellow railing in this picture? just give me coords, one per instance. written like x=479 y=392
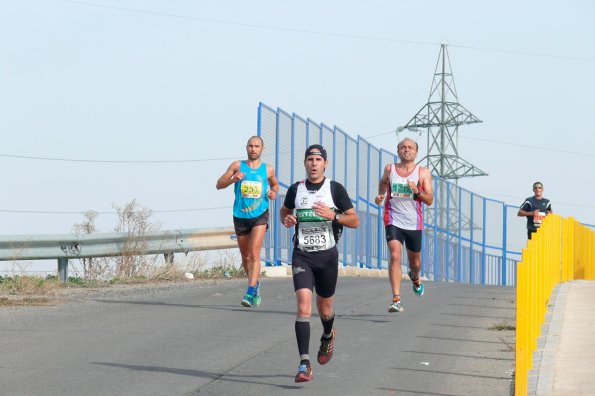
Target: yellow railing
x=562 y=250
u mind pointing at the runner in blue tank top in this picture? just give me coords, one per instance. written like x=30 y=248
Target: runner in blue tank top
x=254 y=184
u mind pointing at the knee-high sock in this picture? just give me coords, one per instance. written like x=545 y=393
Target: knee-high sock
x=302 y=334
x=327 y=324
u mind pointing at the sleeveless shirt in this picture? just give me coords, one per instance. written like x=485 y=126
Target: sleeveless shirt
x=250 y=192
x=400 y=208
x=314 y=233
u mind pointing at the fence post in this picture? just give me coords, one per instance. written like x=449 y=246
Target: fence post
x=504 y=221
x=63 y=269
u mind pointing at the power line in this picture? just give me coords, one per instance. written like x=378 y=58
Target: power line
x=116 y=161
x=109 y=212
x=515 y=144
x=321 y=33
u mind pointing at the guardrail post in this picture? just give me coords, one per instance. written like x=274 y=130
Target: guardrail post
x=63 y=269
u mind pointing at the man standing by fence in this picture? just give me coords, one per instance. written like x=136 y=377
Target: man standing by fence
x=535 y=208
x=255 y=183
x=408 y=186
x=322 y=208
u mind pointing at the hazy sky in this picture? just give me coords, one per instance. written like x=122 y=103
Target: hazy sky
x=158 y=81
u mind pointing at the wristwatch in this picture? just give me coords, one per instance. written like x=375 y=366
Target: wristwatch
x=337 y=216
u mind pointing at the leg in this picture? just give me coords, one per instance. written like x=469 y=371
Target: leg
x=413 y=242
x=414 y=263
x=253 y=255
x=326 y=274
x=302 y=333
x=243 y=244
x=394 y=270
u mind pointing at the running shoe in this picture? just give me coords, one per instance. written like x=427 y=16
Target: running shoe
x=248 y=300
x=325 y=353
x=304 y=373
x=418 y=287
x=257 y=298
x=396 y=306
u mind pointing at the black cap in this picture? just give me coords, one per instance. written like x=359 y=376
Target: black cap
x=316 y=149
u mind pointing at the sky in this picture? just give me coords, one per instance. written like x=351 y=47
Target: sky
x=103 y=102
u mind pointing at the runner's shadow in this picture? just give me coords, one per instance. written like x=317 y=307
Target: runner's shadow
x=204 y=306
x=215 y=376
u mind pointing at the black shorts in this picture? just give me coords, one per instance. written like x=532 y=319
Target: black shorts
x=410 y=238
x=316 y=269
x=244 y=226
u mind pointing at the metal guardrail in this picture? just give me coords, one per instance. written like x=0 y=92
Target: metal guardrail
x=69 y=246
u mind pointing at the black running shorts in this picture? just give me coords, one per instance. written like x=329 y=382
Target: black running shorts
x=410 y=238
x=316 y=270
x=244 y=226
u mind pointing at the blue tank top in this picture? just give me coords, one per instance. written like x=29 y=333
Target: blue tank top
x=251 y=192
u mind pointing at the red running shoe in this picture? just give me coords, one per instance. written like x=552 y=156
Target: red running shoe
x=325 y=353
x=304 y=373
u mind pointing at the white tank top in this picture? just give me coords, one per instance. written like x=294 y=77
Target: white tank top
x=400 y=209
x=314 y=233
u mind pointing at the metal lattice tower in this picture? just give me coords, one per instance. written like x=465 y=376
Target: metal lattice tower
x=442 y=116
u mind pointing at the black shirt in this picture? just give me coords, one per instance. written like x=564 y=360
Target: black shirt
x=530 y=205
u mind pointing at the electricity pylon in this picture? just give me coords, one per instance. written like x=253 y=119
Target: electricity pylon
x=442 y=116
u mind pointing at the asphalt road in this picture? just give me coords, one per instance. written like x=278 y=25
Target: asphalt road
x=195 y=338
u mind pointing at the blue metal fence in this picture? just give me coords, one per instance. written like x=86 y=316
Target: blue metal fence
x=467 y=238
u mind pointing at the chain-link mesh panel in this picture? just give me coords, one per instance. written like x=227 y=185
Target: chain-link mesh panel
x=328 y=144
x=351 y=181
x=516 y=232
x=477 y=224
x=313 y=133
x=341 y=149
x=466 y=238
x=494 y=222
x=284 y=152
x=300 y=138
x=268 y=133
x=362 y=170
x=375 y=174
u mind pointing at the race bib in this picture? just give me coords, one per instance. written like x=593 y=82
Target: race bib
x=251 y=189
x=538 y=218
x=400 y=189
x=315 y=237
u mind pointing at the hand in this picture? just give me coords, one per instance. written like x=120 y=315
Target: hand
x=289 y=221
x=323 y=211
x=379 y=199
x=413 y=186
x=237 y=176
x=272 y=194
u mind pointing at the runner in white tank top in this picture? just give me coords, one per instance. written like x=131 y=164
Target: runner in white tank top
x=405 y=186
x=401 y=209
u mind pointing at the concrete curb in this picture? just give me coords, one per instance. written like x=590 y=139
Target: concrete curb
x=282 y=271
x=541 y=378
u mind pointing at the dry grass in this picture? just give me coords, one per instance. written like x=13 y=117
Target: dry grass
x=502 y=326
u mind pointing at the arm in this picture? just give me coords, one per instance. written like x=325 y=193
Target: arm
x=344 y=205
x=425 y=194
x=349 y=218
x=273 y=183
x=287 y=217
x=383 y=185
x=231 y=175
x=524 y=210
